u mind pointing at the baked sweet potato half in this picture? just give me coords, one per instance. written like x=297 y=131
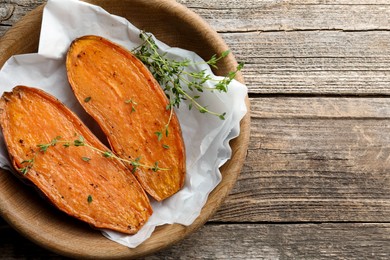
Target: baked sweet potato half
x=120 y=93
x=51 y=148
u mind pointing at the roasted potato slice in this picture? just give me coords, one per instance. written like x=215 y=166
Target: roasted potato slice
x=39 y=132
x=120 y=93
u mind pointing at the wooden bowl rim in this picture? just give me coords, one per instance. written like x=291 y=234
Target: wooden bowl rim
x=163 y=236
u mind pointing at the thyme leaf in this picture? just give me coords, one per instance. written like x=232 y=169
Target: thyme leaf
x=107 y=154
x=29 y=164
x=159 y=135
x=177 y=82
x=85 y=159
x=43 y=147
x=133 y=104
x=172 y=74
x=80 y=141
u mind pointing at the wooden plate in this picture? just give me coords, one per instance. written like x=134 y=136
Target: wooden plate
x=33 y=217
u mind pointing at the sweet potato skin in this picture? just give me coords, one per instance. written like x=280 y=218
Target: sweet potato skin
x=119 y=92
x=101 y=191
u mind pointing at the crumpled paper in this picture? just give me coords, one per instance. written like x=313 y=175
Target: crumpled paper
x=206 y=137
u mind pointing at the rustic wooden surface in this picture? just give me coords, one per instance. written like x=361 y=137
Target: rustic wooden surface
x=316 y=181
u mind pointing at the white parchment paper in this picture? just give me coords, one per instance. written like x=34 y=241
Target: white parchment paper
x=206 y=137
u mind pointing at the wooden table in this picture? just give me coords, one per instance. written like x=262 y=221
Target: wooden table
x=316 y=180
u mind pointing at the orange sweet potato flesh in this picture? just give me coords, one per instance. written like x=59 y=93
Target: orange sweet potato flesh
x=100 y=191
x=120 y=93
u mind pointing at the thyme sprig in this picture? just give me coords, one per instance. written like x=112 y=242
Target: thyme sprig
x=172 y=75
x=28 y=165
x=80 y=141
x=133 y=104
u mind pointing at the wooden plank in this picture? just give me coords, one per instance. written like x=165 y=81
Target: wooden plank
x=262 y=15
x=251 y=15
x=314 y=62
x=251 y=241
x=263 y=3
x=12 y=10
x=310 y=47
x=271 y=241
x=320 y=108
x=314 y=159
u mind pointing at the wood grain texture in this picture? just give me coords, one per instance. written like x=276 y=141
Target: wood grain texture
x=311 y=47
x=315 y=160
x=276 y=241
x=12 y=10
x=252 y=241
x=314 y=62
x=262 y=16
x=316 y=181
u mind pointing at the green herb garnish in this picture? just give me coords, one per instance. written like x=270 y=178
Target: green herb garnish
x=29 y=164
x=133 y=104
x=85 y=159
x=177 y=82
x=80 y=141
